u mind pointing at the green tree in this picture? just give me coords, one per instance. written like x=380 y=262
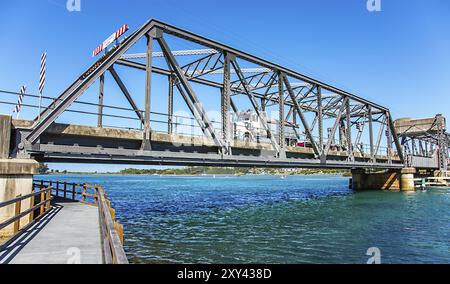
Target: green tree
x=43 y=168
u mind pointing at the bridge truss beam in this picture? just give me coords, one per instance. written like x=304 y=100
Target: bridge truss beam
x=293 y=95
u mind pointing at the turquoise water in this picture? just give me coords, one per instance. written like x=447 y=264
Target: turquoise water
x=266 y=219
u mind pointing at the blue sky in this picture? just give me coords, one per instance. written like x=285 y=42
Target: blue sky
x=398 y=58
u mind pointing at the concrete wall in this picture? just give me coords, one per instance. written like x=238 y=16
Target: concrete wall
x=5 y=136
x=407 y=126
x=10 y=187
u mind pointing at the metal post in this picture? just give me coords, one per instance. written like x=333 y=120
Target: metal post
x=396 y=141
x=294 y=117
x=100 y=101
x=65 y=190
x=226 y=101
x=349 y=132
x=369 y=114
x=148 y=91
x=389 y=138
x=170 y=110
x=442 y=144
x=320 y=117
x=281 y=121
x=342 y=139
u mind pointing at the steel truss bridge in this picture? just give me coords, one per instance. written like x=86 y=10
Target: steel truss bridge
x=316 y=125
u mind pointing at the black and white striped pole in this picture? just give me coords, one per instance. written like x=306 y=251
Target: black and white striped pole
x=20 y=101
x=42 y=80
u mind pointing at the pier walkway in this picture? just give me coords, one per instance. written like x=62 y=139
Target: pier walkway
x=70 y=234
x=62 y=223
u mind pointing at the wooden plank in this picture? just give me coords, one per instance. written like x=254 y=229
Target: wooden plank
x=21 y=215
x=119 y=228
x=17 y=210
x=42 y=204
x=48 y=198
x=32 y=200
x=113 y=213
x=119 y=256
x=21 y=198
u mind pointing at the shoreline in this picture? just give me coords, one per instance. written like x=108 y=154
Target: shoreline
x=193 y=175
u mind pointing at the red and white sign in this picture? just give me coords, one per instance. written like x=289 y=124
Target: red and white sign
x=110 y=40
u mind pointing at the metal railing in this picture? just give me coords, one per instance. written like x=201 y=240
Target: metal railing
x=39 y=205
x=185 y=125
x=427 y=182
x=111 y=231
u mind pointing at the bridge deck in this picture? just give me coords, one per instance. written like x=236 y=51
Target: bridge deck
x=68 y=231
x=120 y=146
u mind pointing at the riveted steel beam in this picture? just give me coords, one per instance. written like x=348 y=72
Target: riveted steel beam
x=148 y=93
x=100 y=101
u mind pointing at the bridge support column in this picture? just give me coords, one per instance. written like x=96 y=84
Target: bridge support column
x=407 y=179
x=5 y=135
x=16 y=176
x=394 y=180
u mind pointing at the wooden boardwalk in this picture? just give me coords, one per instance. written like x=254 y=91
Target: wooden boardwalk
x=69 y=234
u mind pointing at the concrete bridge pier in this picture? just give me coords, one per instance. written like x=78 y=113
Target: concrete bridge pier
x=16 y=177
x=393 y=180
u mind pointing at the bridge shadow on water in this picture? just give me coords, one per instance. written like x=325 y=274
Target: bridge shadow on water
x=13 y=247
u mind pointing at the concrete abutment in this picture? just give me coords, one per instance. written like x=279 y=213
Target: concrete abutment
x=392 y=180
x=16 y=177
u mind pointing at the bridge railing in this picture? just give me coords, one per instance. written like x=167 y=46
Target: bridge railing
x=119 y=117
x=38 y=203
x=111 y=231
x=122 y=118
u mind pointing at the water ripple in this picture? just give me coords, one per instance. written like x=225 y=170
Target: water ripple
x=268 y=220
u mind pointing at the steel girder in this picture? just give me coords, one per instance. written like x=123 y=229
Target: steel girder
x=270 y=83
